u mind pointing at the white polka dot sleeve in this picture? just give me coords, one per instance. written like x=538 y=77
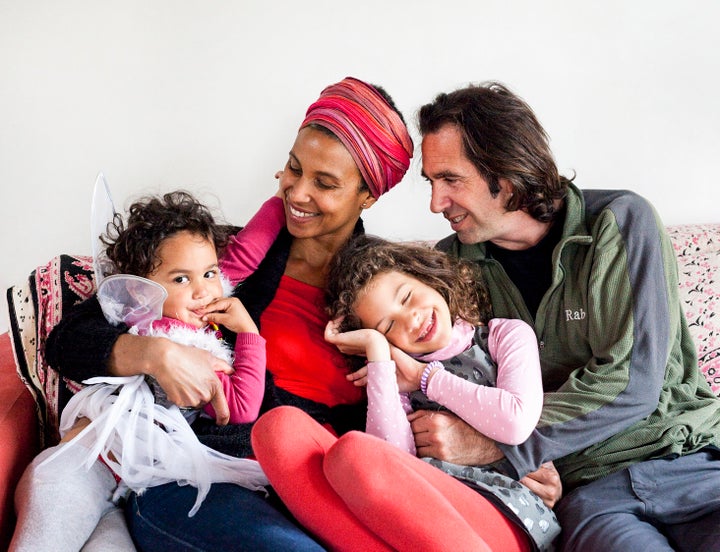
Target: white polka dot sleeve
x=387 y=407
x=509 y=412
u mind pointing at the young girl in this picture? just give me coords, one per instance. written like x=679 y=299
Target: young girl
x=172 y=241
x=418 y=307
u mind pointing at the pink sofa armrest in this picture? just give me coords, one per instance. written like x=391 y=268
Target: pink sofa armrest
x=18 y=435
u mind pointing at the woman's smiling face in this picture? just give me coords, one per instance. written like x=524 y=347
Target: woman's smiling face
x=410 y=314
x=321 y=187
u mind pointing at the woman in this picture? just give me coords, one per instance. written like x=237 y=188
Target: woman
x=351 y=148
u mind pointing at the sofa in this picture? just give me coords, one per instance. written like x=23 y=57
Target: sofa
x=32 y=394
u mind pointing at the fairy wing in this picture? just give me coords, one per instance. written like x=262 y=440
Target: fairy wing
x=124 y=298
x=133 y=300
x=102 y=212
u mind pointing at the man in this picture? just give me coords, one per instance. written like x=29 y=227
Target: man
x=628 y=419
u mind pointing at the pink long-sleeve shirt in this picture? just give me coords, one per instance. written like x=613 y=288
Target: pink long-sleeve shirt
x=506 y=413
x=245 y=251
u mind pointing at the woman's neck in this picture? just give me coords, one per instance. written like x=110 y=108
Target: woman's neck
x=310 y=258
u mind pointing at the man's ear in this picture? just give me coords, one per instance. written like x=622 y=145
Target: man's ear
x=506 y=188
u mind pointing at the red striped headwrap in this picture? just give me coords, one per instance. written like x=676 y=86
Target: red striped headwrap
x=369 y=128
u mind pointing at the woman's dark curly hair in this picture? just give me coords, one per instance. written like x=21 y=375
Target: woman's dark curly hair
x=364 y=257
x=133 y=245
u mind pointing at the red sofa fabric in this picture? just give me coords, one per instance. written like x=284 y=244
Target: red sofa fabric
x=18 y=436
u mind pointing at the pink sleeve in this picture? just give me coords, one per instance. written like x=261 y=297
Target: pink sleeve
x=509 y=412
x=244 y=388
x=249 y=246
x=387 y=411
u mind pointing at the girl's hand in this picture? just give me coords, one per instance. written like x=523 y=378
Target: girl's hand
x=231 y=313
x=368 y=343
x=408 y=370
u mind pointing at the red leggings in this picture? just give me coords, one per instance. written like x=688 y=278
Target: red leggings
x=361 y=493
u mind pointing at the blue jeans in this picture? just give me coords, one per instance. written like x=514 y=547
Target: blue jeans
x=666 y=504
x=230 y=518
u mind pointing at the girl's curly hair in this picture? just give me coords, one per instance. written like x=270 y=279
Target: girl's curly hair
x=132 y=245
x=364 y=257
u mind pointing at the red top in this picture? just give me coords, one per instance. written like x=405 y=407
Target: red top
x=298 y=357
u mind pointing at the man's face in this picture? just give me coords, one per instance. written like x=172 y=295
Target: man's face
x=460 y=193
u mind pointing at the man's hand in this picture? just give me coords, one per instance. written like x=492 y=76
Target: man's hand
x=545 y=482
x=444 y=436
x=186 y=374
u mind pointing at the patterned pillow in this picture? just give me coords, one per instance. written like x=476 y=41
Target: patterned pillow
x=35 y=308
x=698 y=252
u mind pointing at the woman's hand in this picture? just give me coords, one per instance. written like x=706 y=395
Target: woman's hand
x=368 y=343
x=186 y=374
x=231 y=313
x=359 y=378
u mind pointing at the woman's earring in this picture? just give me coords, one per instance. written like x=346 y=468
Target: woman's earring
x=364 y=205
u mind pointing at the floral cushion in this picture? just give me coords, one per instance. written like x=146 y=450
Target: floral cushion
x=698 y=253
x=35 y=308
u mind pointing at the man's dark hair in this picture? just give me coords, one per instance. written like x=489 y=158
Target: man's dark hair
x=503 y=139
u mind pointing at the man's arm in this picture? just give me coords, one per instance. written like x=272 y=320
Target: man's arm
x=633 y=318
x=444 y=436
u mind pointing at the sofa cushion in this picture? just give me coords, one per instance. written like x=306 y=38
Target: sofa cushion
x=698 y=253
x=35 y=308
x=18 y=435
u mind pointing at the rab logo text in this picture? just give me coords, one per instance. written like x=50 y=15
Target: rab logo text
x=574 y=315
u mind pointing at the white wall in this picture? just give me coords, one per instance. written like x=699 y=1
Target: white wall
x=161 y=94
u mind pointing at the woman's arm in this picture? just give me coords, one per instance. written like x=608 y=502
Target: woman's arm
x=84 y=345
x=249 y=246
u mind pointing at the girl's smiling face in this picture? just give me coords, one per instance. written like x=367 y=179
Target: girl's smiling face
x=188 y=271
x=410 y=314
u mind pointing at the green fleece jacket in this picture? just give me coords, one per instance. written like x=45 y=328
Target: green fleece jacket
x=619 y=367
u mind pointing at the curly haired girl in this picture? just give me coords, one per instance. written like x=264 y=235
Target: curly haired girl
x=172 y=240
x=423 y=322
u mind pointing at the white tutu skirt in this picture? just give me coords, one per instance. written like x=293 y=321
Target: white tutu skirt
x=146 y=444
